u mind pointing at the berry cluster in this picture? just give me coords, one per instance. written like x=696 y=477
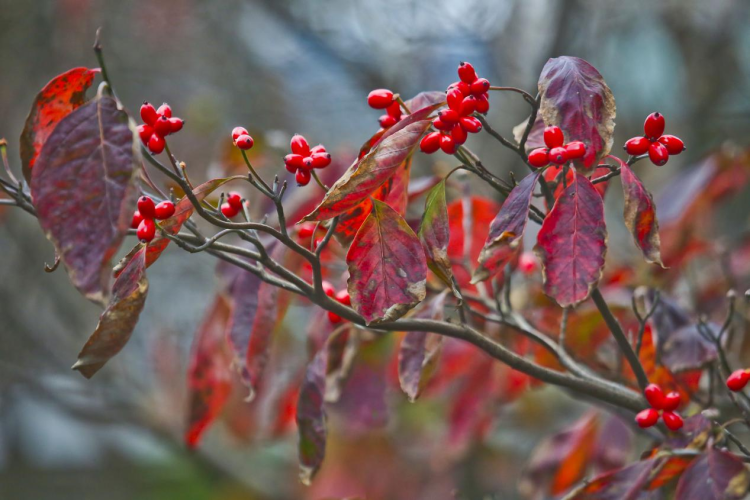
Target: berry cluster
x=341 y=297
x=661 y=404
x=384 y=99
x=157 y=124
x=738 y=380
x=557 y=151
x=658 y=146
x=241 y=138
x=464 y=97
x=143 y=218
x=232 y=206
x=303 y=159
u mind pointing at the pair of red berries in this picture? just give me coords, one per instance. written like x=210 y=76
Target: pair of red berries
x=557 y=151
x=342 y=297
x=241 y=138
x=738 y=380
x=232 y=206
x=385 y=99
x=143 y=218
x=658 y=146
x=157 y=124
x=303 y=159
x=663 y=405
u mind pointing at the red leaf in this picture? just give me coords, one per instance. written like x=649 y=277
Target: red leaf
x=118 y=320
x=715 y=475
x=311 y=418
x=434 y=234
x=82 y=186
x=55 y=101
x=209 y=375
x=575 y=98
x=506 y=230
x=366 y=175
x=387 y=268
x=623 y=484
x=572 y=243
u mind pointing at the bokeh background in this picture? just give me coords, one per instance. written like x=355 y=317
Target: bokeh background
x=280 y=67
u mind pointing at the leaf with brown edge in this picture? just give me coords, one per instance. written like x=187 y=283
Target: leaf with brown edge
x=55 y=101
x=376 y=167
x=311 y=418
x=209 y=374
x=715 y=475
x=387 y=267
x=82 y=185
x=572 y=243
x=640 y=214
x=435 y=234
x=506 y=231
x=576 y=99
x=117 y=322
x=622 y=484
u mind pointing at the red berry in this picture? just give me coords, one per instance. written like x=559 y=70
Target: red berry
x=647 y=418
x=228 y=210
x=394 y=110
x=148 y=114
x=653 y=128
x=145 y=132
x=164 y=110
x=137 y=218
x=176 y=125
x=673 y=144
x=320 y=160
x=164 y=210
x=449 y=116
x=471 y=124
x=334 y=318
x=672 y=420
x=344 y=298
x=558 y=155
x=575 y=149
x=539 y=157
x=328 y=289
x=458 y=133
x=553 y=137
x=307 y=163
x=303 y=177
x=527 y=263
x=146 y=230
x=235 y=201
x=654 y=396
x=387 y=121
x=146 y=207
x=658 y=154
x=244 y=142
x=238 y=131
x=299 y=145
x=454 y=98
x=156 y=144
x=466 y=72
x=293 y=162
x=162 y=126
x=483 y=104
x=637 y=146
x=468 y=106
x=671 y=401
x=738 y=380
x=441 y=125
x=480 y=86
x=380 y=98
x=447 y=144
x=430 y=143
x=318 y=149
x=306 y=230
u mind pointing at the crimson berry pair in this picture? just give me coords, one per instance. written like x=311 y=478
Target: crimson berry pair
x=385 y=99
x=663 y=405
x=241 y=138
x=232 y=206
x=157 y=124
x=341 y=297
x=738 y=380
x=557 y=151
x=143 y=218
x=303 y=159
x=658 y=146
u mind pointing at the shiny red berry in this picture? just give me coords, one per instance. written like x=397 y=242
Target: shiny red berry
x=539 y=157
x=156 y=144
x=671 y=401
x=637 y=146
x=459 y=134
x=136 y=220
x=145 y=132
x=303 y=177
x=387 y=121
x=558 y=155
x=394 y=110
x=162 y=126
x=449 y=116
x=228 y=210
x=654 y=396
x=293 y=162
x=471 y=124
x=164 y=110
x=244 y=142
x=672 y=420
x=238 y=131
x=430 y=143
x=553 y=137
x=164 y=210
x=318 y=149
x=299 y=145
x=467 y=73
x=454 y=98
x=320 y=160
x=380 y=98
x=328 y=289
x=658 y=154
x=738 y=380
x=146 y=230
x=527 y=263
x=441 y=125
x=480 y=86
x=483 y=104
x=176 y=125
x=307 y=163
x=235 y=200
x=653 y=127
x=576 y=150
x=334 y=318
x=148 y=114
x=468 y=106
x=146 y=207
x=344 y=298
x=647 y=418
x=447 y=144
x=673 y=144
